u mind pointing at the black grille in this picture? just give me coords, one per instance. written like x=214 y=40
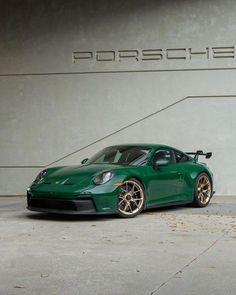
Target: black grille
x=53 y=204
x=82 y=204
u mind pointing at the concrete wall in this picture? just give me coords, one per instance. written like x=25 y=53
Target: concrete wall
x=76 y=76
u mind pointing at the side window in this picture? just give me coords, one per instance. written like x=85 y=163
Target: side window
x=164 y=154
x=180 y=157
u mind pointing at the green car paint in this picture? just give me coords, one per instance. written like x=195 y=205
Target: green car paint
x=164 y=185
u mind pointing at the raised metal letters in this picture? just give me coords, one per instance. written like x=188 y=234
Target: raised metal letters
x=139 y=55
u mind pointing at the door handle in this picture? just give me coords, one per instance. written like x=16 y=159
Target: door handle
x=181 y=175
x=175 y=172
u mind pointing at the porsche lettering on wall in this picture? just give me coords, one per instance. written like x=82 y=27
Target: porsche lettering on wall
x=207 y=53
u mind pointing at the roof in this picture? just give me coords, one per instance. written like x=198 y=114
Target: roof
x=148 y=145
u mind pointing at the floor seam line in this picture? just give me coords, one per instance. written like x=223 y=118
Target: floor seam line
x=189 y=263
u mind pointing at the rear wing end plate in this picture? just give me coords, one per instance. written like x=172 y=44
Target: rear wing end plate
x=199 y=153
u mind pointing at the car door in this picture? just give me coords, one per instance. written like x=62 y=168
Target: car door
x=185 y=165
x=165 y=178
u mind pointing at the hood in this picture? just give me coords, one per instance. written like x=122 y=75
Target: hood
x=70 y=175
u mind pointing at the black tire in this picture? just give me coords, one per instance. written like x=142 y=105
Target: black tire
x=126 y=196
x=202 y=190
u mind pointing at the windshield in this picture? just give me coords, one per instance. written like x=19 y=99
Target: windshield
x=121 y=155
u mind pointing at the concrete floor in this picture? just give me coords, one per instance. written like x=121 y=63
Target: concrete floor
x=179 y=250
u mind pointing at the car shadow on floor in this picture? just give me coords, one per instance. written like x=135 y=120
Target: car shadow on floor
x=65 y=217
x=98 y=217
x=211 y=209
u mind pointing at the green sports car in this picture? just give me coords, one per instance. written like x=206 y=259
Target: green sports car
x=124 y=179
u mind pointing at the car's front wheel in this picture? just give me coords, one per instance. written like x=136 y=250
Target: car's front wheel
x=131 y=198
x=203 y=190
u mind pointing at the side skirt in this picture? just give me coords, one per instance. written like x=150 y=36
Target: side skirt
x=169 y=204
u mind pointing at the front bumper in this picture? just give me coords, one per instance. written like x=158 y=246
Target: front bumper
x=82 y=206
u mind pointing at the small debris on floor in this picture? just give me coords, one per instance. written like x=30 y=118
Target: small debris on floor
x=19 y=286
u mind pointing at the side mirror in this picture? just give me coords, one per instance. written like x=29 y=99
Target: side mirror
x=160 y=163
x=84 y=161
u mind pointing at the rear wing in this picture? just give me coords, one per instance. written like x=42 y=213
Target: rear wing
x=200 y=153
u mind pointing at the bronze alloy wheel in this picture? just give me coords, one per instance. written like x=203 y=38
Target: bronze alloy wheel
x=203 y=190
x=131 y=198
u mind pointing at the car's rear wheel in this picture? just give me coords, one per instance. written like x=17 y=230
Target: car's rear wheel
x=131 y=198
x=203 y=190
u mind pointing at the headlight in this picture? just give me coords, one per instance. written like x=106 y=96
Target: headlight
x=40 y=176
x=103 y=177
